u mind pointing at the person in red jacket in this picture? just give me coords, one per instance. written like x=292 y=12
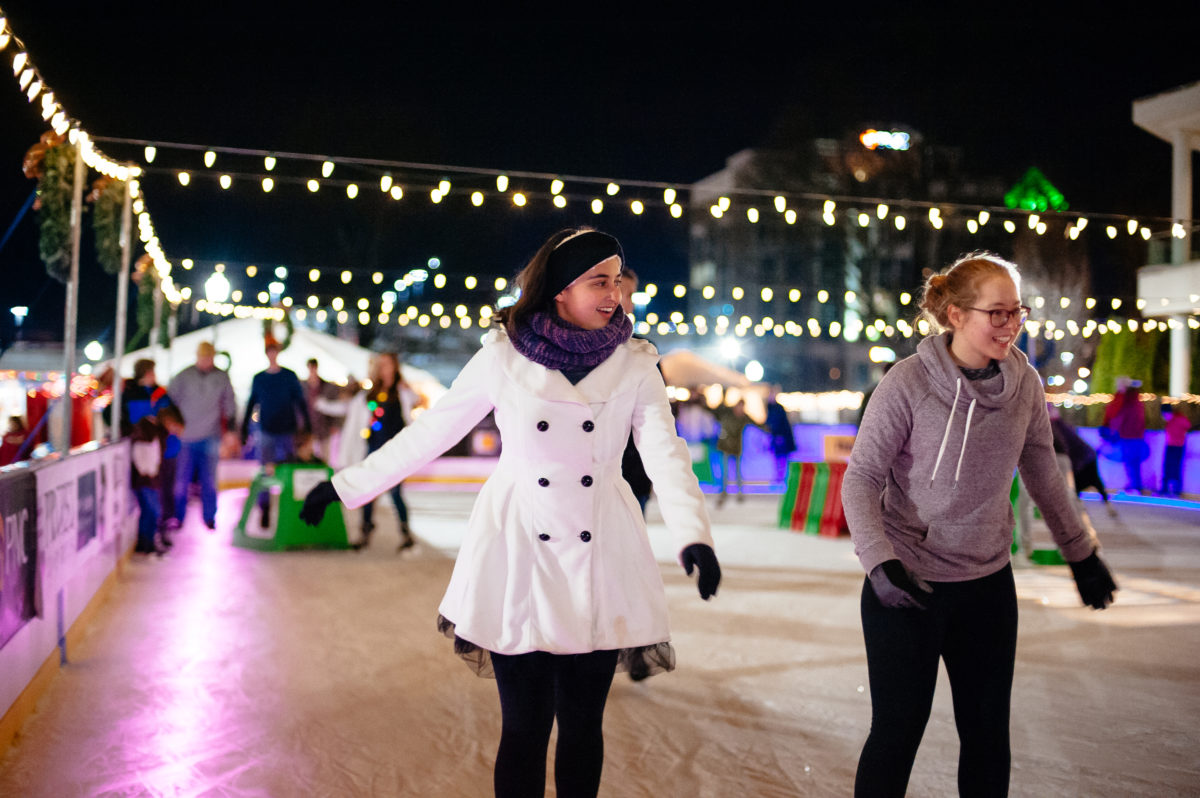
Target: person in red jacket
x=14 y=439
x=1126 y=418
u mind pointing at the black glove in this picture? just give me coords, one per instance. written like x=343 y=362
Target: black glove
x=701 y=555
x=896 y=587
x=316 y=501
x=1094 y=580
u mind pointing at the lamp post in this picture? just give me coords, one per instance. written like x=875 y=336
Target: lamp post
x=19 y=313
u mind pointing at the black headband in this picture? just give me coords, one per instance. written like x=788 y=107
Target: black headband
x=576 y=255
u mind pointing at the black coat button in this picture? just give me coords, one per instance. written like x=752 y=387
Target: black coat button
x=585 y=536
x=587 y=482
x=543 y=536
x=543 y=426
x=588 y=426
x=543 y=481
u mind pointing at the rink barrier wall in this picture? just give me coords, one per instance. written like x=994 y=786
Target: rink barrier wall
x=69 y=525
x=26 y=703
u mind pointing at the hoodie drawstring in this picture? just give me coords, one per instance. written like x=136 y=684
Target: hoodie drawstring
x=946 y=435
x=966 y=432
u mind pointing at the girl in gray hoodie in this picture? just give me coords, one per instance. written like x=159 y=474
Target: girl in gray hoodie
x=926 y=496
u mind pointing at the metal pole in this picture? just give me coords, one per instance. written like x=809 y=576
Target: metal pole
x=172 y=329
x=122 y=309
x=1181 y=248
x=72 y=304
x=155 y=341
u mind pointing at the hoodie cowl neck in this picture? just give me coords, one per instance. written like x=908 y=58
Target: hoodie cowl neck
x=945 y=375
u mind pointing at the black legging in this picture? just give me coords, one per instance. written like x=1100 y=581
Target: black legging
x=972 y=626
x=535 y=689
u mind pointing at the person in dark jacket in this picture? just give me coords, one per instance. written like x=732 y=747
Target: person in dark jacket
x=1084 y=462
x=631 y=462
x=783 y=439
x=276 y=393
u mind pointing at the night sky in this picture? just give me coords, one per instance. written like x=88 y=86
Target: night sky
x=633 y=95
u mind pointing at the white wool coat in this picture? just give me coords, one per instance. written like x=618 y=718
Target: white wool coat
x=555 y=556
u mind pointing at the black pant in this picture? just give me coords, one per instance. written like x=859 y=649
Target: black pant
x=973 y=627
x=368 y=510
x=535 y=689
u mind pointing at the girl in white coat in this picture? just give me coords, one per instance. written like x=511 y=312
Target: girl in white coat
x=556 y=587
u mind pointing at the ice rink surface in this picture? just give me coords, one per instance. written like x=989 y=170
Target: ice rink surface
x=219 y=671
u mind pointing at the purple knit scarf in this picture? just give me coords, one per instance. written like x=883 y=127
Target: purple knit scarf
x=557 y=344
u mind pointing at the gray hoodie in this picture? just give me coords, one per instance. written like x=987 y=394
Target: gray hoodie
x=932 y=468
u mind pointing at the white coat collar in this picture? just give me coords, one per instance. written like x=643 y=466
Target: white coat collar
x=601 y=384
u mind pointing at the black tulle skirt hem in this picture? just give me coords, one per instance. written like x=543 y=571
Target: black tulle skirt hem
x=639 y=661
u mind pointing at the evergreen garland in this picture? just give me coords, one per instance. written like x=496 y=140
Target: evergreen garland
x=288 y=328
x=54 y=210
x=108 y=198
x=145 y=277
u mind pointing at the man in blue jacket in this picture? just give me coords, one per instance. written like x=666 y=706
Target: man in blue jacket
x=277 y=395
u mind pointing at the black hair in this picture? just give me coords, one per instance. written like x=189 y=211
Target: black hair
x=534 y=285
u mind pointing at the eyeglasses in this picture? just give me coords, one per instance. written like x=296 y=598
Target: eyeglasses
x=1001 y=318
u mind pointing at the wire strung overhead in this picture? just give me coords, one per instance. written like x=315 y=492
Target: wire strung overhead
x=400 y=179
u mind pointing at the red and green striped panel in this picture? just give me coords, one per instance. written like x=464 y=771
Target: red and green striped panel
x=812 y=501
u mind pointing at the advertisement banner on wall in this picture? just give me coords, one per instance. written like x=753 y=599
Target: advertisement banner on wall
x=18 y=554
x=81 y=499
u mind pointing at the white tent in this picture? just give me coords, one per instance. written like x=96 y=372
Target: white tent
x=683 y=368
x=338 y=360
x=686 y=369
